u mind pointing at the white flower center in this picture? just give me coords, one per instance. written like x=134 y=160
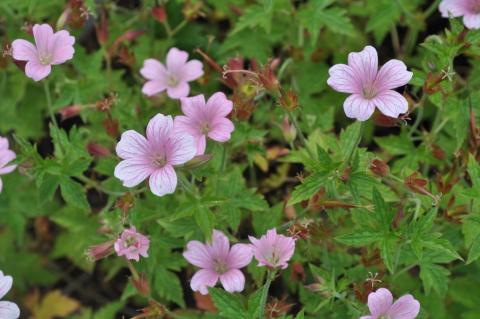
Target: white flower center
x=369 y=91
x=131 y=241
x=160 y=160
x=384 y=317
x=172 y=80
x=220 y=267
x=205 y=128
x=274 y=257
x=45 y=58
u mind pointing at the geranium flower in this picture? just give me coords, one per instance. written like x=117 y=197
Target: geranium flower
x=50 y=49
x=206 y=119
x=174 y=77
x=272 y=250
x=468 y=9
x=380 y=305
x=154 y=157
x=8 y=310
x=132 y=244
x=6 y=156
x=370 y=87
x=218 y=261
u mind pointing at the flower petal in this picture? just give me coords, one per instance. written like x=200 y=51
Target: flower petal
x=9 y=310
x=201 y=145
x=406 y=307
x=392 y=74
x=4 y=145
x=23 y=50
x=158 y=131
x=240 y=256
x=218 y=106
x=452 y=8
x=379 y=302
x=5 y=284
x=198 y=255
x=191 y=106
x=221 y=130
x=61 y=47
x=472 y=21
x=1 y=185
x=154 y=70
x=181 y=90
x=391 y=103
x=6 y=156
x=151 y=88
x=176 y=60
x=203 y=279
x=187 y=125
x=7 y=169
x=233 y=280
x=357 y=107
x=364 y=64
x=133 y=171
x=192 y=70
x=37 y=71
x=219 y=247
x=131 y=145
x=181 y=148
x=163 y=181
x=343 y=79
x=42 y=34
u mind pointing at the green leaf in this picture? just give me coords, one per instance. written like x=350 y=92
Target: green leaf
x=349 y=139
x=308 y=188
x=382 y=210
x=388 y=251
x=168 y=286
x=74 y=193
x=47 y=189
x=205 y=220
x=474 y=252
x=301 y=315
x=434 y=277
x=230 y=306
x=359 y=238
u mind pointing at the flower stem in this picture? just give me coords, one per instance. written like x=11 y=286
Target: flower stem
x=359 y=139
x=266 y=288
x=49 y=103
x=302 y=137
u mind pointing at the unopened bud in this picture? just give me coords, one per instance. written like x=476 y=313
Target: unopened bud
x=98 y=150
x=100 y=251
x=288 y=100
x=159 y=13
x=70 y=111
x=379 y=168
x=289 y=131
x=141 y=284
x=198 y=161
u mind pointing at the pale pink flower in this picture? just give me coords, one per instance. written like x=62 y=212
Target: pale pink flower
x=381 y=306
x=154 y=157
x=218 y=261
x=8 y=310
x=272 y=250
x=132 y=244
x=50 y=49
x=468 y=9
x=6 y=156
x=370 y=87
x=206 y=119
x=174 y=77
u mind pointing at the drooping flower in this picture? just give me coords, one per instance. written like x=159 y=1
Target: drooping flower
x=468 y=9
x=174 y=77
x=132 y=244
x=273 y=250
x=154 y=157
x=50 y=49
x=381 y=306
x=6 y=156
x=370 y=87
x=218 y=262
x=8 y=310
x=206 y=119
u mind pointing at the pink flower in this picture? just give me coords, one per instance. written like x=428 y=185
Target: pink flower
x=380 y=305
x=132 y=244
x=469 y=9
x=8 y=310
x=206 y=119
x=370 y=88
x=154 y=157
x=218 y=261
x=174 y=78
x=6 y=156
x=272 y=250
x=50 y=49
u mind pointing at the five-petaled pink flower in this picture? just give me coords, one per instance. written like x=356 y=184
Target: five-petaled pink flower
x=381 y=306
x=468 y=9
x=132 y=244
x=218 y=261
x=8 y=310
x=370 y=87
x=174 y=77
x=50 y=49
x=206 y=119
x=6 y=156
x=154 y=157
x=272 y=250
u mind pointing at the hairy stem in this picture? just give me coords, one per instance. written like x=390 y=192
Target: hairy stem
x=266 y=288
x=49 y=103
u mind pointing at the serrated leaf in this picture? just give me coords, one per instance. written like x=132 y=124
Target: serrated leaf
x=474 y=252
x=388 y=251
x=434 y=277
x=308 y=188
x=359 y=238
x=74 y=193
x=229 y=305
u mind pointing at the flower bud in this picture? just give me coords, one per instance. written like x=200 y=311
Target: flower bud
x=159 y=13
x=198 y=161
x=288 y=100
x=98 y=150
x=141 y=284
x=70 y=111
x=100 y=251
x=379 y=168
x=102 y=28
x=289 y=131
